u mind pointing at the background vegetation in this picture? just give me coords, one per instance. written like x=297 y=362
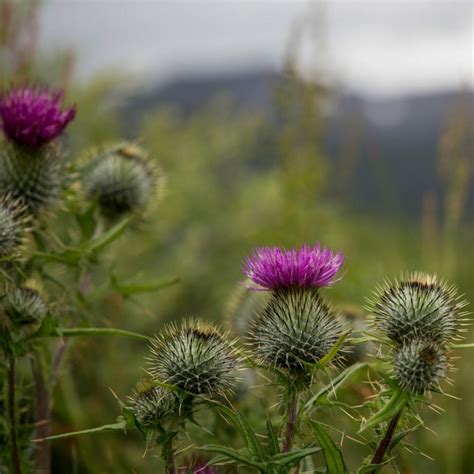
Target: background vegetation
x=236 y=180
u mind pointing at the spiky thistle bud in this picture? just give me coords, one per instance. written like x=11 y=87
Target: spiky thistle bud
x=418 y=306
x=420 y=365
x=295 y=328
x=123 y=181
x=24 y=306
x=13 y=225
x=195 y=357
x=151 y=405
x=35 y=177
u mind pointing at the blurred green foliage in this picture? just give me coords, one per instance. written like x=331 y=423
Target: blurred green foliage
x=219 y=204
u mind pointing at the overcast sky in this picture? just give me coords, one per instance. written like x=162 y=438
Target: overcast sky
x=379 y=47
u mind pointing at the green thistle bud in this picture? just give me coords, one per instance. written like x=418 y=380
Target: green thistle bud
x=420 y=365
x=195 y=357
x=296 y=327
x=151 y=405
x=24 y=306
x=13 y=224
x=418 y=306
x=123 y=181
x=37 y=178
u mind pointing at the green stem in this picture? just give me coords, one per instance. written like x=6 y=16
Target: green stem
x=167 y=453
x=15 y=453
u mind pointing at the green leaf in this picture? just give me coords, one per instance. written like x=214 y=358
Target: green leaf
x=97 y=244
x=248 y=436
x=332 y=454
x=48 y=327
x=273 y=445
x=87 y=221
x=396 y=403
x=135 y=288
x=119 y=426
x=87 y=332
x=294 y=456
x=332 y=353
x=240 y=455
x=329 y=391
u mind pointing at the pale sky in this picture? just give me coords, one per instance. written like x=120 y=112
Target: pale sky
x=377 y=47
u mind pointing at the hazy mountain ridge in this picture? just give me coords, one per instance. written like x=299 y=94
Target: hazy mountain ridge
x=395 y=146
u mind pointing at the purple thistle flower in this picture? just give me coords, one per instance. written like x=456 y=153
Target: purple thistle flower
x=32 y=117
x=274 y=267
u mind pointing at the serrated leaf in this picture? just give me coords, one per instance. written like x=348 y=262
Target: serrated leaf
x=119 y=426
x=240 y=455
x=248 y=436
x=148 y=287
x=396 y=403
x=333 y=352
x=327 y=392
x=293 y=457
x=332 y=454
x=273 y=445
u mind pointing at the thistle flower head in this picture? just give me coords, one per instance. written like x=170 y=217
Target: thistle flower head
x=32 y=117
x=24 y=306
x=123 y=181
x=274 y=267
x=420 y=365
x=195 y=357
x=151 y=404
x=295 y=328
x=418 y=306
x=13 y=224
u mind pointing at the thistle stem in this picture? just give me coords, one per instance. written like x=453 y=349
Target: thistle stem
x=167 y=453
x=15 y=454
x=385 y=441
x=42 y=415
x=291 y=423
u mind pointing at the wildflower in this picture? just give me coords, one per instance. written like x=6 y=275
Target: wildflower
x=32 y=117
x=123 y=181
x=418 y=306
x=273 y=267
x=420 y=365
x=195 y=357
x=296 y=328
x=24 y=306
x=150 y=404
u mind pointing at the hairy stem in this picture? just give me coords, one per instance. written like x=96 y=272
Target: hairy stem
x=42 y=416
x=385 y=441
x=291 y=423
x=15 y=454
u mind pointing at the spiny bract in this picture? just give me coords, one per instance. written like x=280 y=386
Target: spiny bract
x=296 y=327
x=151 y=404
x=195 y=357
x=123 y=181
x=24 y=305
x=37 y=178
x=13 y=224
x=420 y=365
x=418 y=306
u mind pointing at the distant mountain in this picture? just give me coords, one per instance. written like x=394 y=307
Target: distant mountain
x=391 y=145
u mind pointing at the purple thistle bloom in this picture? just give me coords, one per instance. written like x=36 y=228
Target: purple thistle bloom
x=274 y=267
x=32 y=117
